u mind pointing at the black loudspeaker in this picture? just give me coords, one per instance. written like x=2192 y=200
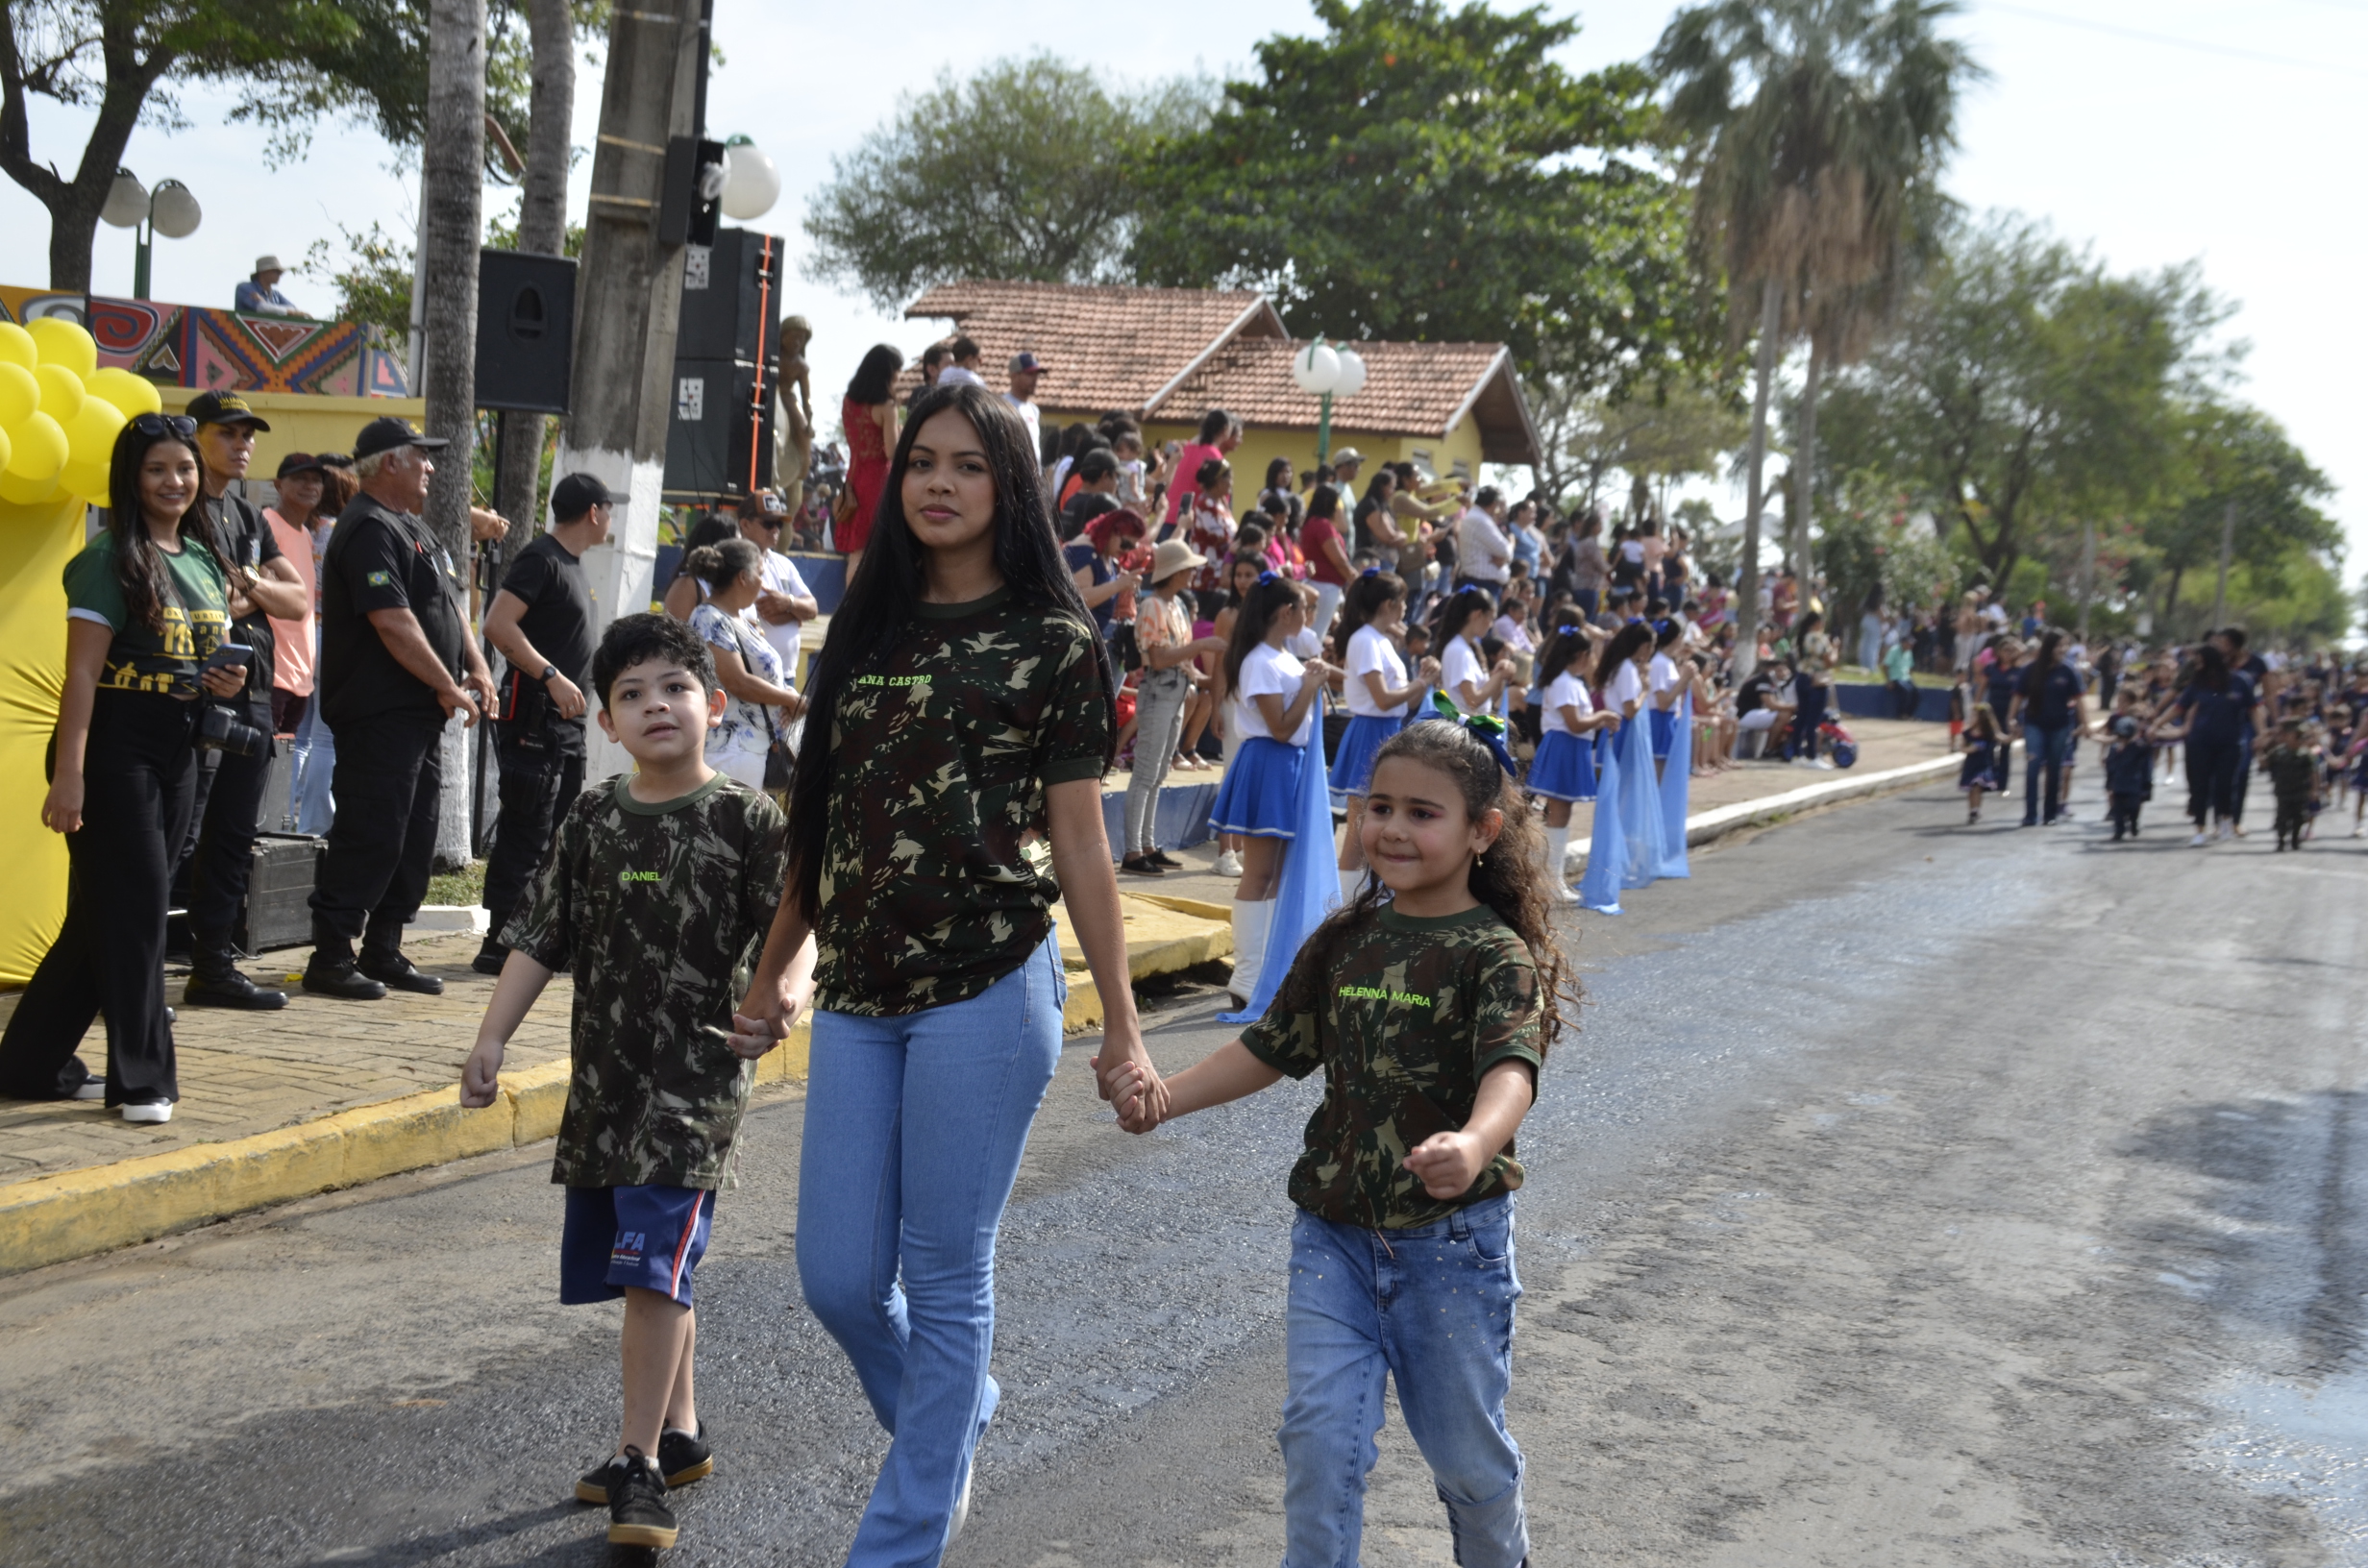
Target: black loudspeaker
x=526 y=331
x=727 y=361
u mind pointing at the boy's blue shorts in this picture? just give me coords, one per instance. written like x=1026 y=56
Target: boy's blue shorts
x=615 y=1237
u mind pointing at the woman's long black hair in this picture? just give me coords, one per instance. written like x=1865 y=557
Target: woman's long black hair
x=1359 y=605
x=139 y=566
x=879 y=601
x=874 y=379
x=1267 y=597
x=1567 y=646
x=1620 y=649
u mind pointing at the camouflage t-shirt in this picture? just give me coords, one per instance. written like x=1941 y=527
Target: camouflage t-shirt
x=937 y=867
x=651 y=909
x=1417 y=1009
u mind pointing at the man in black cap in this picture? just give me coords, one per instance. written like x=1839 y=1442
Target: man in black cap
x=232 y=776
x=542 y=621
x=396 y=662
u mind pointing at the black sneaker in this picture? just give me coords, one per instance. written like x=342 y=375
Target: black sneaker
x=681 y=1458
x=397 y=973
x=1163 y=860
x=1140 y=865
x=637 y=1510
x=490 y=957
x=340 y=978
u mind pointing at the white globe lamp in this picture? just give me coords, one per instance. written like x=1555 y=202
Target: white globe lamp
x=1317 y=369
x=752 y=185
x=1351 y=376
x=175 y=211
x=126 y=201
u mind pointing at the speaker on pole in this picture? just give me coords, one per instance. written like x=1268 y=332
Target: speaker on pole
x=526 y=331
x=728 y=364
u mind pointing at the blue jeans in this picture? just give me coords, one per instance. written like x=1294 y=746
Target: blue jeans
x=2044 y=750
x=914 y=1126
x=316 y=760
x=1432 y=1306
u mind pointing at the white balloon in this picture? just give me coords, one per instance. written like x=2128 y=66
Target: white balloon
x=1315 y=368
x=1352 y=373
x=752 y=185
x=126 y=201
x=177 y=212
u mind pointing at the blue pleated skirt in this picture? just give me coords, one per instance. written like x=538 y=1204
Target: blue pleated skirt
x=1564 y=767
x=1260 y=795
x=1352 y=761
x=1665 y=732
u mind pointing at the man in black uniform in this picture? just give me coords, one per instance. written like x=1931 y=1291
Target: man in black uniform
x=396 y=662
x=542 y=621
x=232 y=777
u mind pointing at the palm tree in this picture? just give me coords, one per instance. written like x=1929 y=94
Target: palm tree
x=1811 y=127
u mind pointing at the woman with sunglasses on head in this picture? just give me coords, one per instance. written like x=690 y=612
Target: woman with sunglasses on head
x=947 y=791
x=147 y=603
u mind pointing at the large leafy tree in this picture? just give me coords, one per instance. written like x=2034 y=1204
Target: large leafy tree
x=1428 y=173
x=290 y=63
x=1814 y=130
x=1019 y=172
x=2023 y=389
x=2236 y=478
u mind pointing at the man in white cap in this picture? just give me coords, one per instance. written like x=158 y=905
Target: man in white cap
x=260 y=295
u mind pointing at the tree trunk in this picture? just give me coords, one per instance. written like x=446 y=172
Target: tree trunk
x=1805 y=472
x=452 y=177
x=1747 y=573
x=542 y=230
x=73 y=204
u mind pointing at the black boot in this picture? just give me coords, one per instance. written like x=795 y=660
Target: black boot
x=490 y=957
x=397 y=973
x=331 y=972
x=214 y=980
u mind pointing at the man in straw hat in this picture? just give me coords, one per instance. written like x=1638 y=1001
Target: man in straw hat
x=1164 y=637
x=260 y=295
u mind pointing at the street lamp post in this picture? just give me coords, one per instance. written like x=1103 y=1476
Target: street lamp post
x=169 y=210
x=1327 y=373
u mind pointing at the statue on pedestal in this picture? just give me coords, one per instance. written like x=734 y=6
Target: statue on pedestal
x=793 y=418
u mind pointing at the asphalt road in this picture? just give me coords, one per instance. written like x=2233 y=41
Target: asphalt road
x=1912 y=1194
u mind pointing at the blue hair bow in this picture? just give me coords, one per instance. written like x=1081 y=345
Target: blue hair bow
x=1370 y=572
x=1487 y=729
x=1265 y=578
x=1565 y=631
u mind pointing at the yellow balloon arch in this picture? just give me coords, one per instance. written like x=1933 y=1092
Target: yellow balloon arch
x=60 y=413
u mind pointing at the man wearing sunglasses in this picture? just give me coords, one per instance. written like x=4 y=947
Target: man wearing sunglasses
x=264 y=583
x=785 y=602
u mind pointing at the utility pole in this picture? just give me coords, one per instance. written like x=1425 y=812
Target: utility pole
x=2227 y=545
x=630 y=299
x=2089 y=573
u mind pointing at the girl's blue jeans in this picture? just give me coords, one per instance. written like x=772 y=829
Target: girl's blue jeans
x=914 y=1126
x=1431 y=1306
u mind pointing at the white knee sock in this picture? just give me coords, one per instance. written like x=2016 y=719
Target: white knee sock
x=1251 y=919
x=1557 y=859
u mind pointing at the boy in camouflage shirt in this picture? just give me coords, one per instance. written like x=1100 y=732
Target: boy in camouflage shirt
x=653 y=889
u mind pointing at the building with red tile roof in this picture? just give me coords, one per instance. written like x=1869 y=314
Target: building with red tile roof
x=1167 y=355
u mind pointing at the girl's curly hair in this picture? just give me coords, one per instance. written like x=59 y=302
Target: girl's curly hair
x=1510 y=878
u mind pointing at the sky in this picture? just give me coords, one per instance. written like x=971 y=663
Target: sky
x=2154 y=132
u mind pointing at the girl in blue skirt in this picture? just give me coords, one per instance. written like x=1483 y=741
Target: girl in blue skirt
x=1665 y=686
x=1563 y=770
x=1380 y=696
x=1274 y=712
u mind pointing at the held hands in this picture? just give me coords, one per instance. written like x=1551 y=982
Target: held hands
x=1135 y=1092
x=1447 y=1163
x=1317 y=674
x=1427 y=673
x=765 y=1022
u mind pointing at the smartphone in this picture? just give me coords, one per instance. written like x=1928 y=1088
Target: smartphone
x=229 y=656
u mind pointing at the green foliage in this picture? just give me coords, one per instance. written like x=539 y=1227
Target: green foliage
x=1020 y=172
x=2229 y=455
x=1667 y=433
x=2023 y=389
x=1424 y=173
x=372 y=275
x=1872 y=540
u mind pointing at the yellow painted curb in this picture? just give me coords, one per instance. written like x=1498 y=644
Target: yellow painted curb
x=1201 y=907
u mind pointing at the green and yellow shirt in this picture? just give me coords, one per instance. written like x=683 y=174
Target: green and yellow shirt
x=142 y=658
x=937 y=861
x=651 y=909
x=1416 y=1011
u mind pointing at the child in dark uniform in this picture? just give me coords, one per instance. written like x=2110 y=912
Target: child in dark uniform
x=2128 y=775
x=2293 y=769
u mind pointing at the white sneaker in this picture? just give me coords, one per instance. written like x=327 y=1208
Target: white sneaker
x=1825 y=763
x=1228 y=863
x=2199 y=841
x=149 y=1110
x=961 y=1509
x=2220 y=832
x=94 y=1087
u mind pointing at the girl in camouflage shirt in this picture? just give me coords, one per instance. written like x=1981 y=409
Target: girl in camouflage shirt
x=1429 y=1015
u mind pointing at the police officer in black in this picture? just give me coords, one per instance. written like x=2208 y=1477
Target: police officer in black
x=235 y=739
x=396 y=661
x=542 y=621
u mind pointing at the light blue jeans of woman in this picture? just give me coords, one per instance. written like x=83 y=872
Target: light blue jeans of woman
x=1430 y=1305
x=914 y=1126
x=314 y=758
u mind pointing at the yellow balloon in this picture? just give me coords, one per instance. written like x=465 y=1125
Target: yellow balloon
x=40 y=450
x=91 y=435
x=19 y=395
x=61 y=393
x=131 y=394
x=27 y=492
x=59 y=342
x=7 y=450
x=16 y=346
x=88 y=481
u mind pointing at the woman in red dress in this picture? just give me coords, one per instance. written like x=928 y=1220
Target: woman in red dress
x=869 y=415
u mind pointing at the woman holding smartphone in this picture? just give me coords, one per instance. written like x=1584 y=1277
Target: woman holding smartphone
x=147 y=605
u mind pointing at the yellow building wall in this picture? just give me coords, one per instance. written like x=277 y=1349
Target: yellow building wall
x=1261 y=443
x=300 y=422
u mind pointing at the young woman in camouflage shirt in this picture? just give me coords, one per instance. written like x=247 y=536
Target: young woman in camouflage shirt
x=1429 y=1017
x=947 y=791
